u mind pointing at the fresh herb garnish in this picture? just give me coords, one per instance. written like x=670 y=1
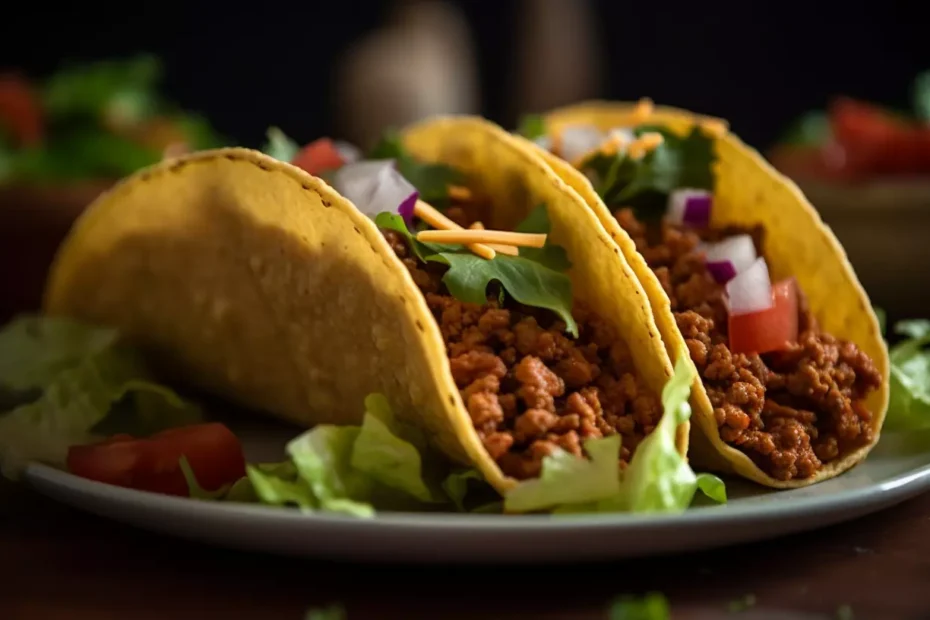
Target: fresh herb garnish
x=535 y=280
x=279 y=145
x=812 y=129
x=532 y=126
x=646 y=183
x=653 y=606
x=431 y=180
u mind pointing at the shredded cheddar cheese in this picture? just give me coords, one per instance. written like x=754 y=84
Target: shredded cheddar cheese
x=643 y=110
x=497 y=247
x=439 y=221
x=459 y=193
x=528 y=240
x=646 y=143
x=715 y=128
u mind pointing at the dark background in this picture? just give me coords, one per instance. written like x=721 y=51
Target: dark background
x=248 y=66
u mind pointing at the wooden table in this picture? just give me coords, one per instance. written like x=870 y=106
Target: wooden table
x=58 y=563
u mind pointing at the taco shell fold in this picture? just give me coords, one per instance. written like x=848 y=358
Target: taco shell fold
x=748 y=192
x=251 y=279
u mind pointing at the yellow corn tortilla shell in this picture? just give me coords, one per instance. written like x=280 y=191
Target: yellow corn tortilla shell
x=797 y=243
x=248 y=278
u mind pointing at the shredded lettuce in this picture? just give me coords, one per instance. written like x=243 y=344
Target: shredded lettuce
x=279 y=145
x=532 y=126
x=909 y=403
x=652 y=606
x=657 y=479
x=67 y=380
x=535 y=279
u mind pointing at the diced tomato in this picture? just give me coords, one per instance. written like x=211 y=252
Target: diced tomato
x=876 y=142
x=767 y=330
x=153 y=464
x=20 y=113
x=318 y=156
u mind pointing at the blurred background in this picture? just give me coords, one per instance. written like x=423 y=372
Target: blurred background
x=349 y=69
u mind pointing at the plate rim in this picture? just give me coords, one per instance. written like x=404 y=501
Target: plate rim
x=899 y=487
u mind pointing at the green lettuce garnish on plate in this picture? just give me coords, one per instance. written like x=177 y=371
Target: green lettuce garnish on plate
x=909 y=402
x=535 y=278
x=657 y=479
x=352 y=469
x=652 y=606
x=63 y=382
x=532 y=126
x=279 y=145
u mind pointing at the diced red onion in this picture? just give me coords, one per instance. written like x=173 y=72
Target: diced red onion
x=751 y=289
x=347 y=151
x=375 y=186
x=690 y=207
x=729 y=257
x=578 y=141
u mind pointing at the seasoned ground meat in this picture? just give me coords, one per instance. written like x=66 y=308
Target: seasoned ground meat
x=790 y=411
x=528 y=386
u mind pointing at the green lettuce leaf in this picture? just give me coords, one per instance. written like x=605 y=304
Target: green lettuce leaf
x=530 y=282
x=278 y=484
x=921 y=96
x=532 y=126
x=678 y=162
x=78 y=376
x=431 y=180
x=909 y=402
x=123 y=87
x=279 y=145
x=812 y=129
x=657 y=479
x=653 y=606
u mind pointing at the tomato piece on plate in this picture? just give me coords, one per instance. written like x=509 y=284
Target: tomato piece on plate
x=112 y=461
x=767 y=330
x=212 y=450
x=318 y=156
x=20 y=113
x=153 y=464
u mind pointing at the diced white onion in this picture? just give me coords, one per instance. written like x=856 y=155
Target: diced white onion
x=738 y=251
x=751 y=290
x=375 y=186
x=689 y=207
x=578 y=141
x=544 y=142
x=347 y=151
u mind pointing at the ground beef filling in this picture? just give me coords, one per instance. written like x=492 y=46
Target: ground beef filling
x=790 y=411
x=528 y=386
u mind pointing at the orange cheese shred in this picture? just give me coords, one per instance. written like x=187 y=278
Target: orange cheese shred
x=459 y=193
x=497 y=247
x=527 y=240
x=434 y=218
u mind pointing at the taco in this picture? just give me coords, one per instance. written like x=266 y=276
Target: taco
x=738 y=266
x=463 y=281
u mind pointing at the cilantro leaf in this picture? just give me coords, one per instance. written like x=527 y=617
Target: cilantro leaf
x=279 y=145
x=921 y=96
x=812 y=129
x=527 y=281
x=552 y=256
x=653 y=606
x=533 y=283
x=532 y=126
x=431 y=180
x=646 y=183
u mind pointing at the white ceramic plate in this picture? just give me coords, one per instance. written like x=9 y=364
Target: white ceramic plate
x=893 y=473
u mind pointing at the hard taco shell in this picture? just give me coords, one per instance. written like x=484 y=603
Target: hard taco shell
x=254 y=280
x=748 y=192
